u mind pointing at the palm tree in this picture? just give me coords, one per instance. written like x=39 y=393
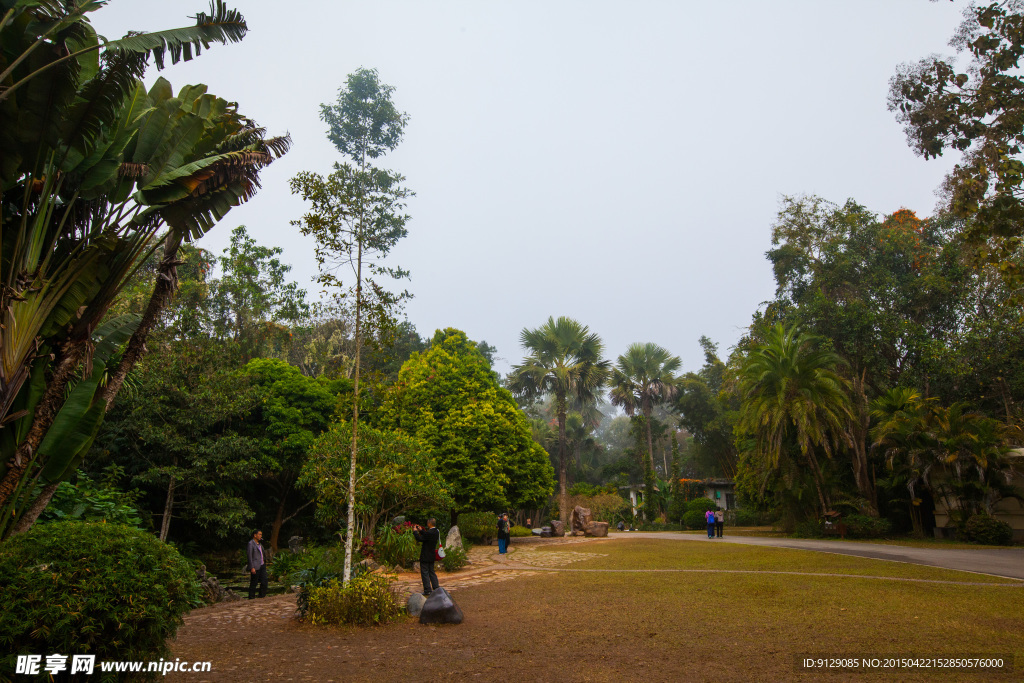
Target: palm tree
x=791 y=391
x=904 y=431
x=644 y=377
x=564 y=362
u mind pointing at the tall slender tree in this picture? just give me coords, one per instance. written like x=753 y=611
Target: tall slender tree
x=564 y=362
x=357 y=218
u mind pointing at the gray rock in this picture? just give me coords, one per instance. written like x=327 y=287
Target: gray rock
x=596 y=529
x=400 y=519
x=538 y=532
x=369 y=564
x=440 y=609
x=454 y=538
x=295 y=544
x=415 y=604
x=212 y=589
x=557 y=528
x=230 y=596
x=416 y=567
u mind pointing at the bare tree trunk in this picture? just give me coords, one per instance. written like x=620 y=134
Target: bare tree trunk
x=30 y=515
x=650 y=441
x=350 y=531
x=859 y=424
x=563 y=476
x=164 y=289
x=47 y=409
x=165 y=523
x=275 y=529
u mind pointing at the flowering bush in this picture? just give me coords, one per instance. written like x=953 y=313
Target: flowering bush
x=367 y=548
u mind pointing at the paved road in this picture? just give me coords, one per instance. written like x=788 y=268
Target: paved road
x=1008 y=563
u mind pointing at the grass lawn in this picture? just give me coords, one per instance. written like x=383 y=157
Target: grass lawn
x=661 y=626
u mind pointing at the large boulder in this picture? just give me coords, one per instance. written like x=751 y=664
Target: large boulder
x=454 y=538
x=557 y=528
x=580 y=518
x=415 y=604
x=295 y=544
x=596 y=529
x=440 y=609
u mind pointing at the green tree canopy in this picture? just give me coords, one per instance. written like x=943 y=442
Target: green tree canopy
x=449 y=398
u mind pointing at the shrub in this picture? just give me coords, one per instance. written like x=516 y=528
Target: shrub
x=291 y=567
x=90 y=588
x=454 y=559
x=367 y=600
x=397 y=546
x=479 y=527
x=862 y=526
x=89 y=501
x=989 y=531
x=701 y=504
x=694 y=519
x=520 y=532
x=749 y=518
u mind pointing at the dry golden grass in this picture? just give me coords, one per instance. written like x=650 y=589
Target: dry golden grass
x=655 y=626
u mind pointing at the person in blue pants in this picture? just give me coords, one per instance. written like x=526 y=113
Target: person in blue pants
x=709 y=517
x=504 y=533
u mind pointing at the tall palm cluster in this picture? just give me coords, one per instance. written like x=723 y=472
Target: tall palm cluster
x=565 y=363
x=97 y=174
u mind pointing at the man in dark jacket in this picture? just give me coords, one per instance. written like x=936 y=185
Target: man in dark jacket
x=504 y=533
x=429 y=537
x=256 y=565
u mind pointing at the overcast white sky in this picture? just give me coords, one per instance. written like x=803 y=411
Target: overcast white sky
x=617 y=162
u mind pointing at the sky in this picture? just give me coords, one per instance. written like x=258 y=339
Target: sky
x=620 y=162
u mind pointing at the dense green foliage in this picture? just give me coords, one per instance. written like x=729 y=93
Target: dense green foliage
x=988 y=531
x=479 y=527
x=395 y=473
x=448 y=398
x=92 y=588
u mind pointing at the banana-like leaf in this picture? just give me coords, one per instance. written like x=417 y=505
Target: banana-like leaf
x=221 y=25
x=79 y=419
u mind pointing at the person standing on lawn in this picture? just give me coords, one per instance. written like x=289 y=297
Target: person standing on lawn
x=256 y=565
x=719 y=522
x=504 y=533
x=709 y=517
x=429 y=538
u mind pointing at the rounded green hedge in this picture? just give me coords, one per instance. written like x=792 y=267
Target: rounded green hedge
x=694 y=519
x=92 y=588
x=702 y=504
x=989 y=531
